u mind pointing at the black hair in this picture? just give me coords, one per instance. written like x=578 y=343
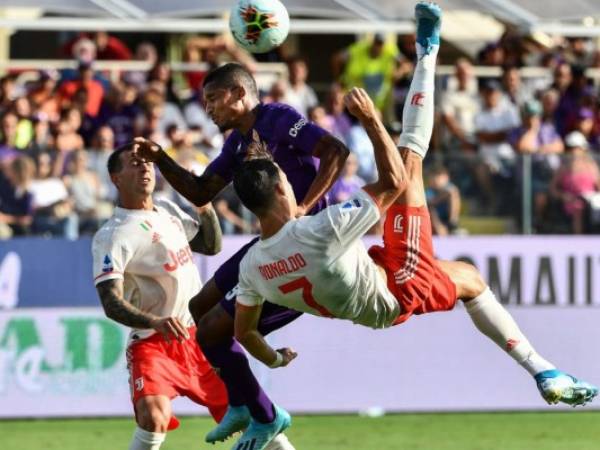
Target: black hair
x=114 y=164
x=254 y=183
x=232 y=75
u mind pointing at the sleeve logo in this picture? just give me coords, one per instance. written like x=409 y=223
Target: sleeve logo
x=107 y=265
x=350 y=205
x=297 y=127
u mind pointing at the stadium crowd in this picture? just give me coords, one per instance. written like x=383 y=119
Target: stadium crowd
x=492 y=135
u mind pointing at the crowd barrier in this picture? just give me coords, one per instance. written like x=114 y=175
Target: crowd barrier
x=59 y=355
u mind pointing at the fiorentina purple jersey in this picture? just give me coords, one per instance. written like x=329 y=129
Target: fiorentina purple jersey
x=289 y=137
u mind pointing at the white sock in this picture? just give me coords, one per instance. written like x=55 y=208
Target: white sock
x=417 y=115
x=146 y=440
x=490 y=317
x=280 y=442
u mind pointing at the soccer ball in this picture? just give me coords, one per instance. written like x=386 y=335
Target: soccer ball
x=259 y=25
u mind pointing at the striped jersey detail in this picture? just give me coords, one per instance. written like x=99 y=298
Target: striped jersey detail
x=408 y=270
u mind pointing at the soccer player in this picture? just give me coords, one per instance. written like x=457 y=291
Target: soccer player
x=231 y=99
x=145 y=276
x=319 y=265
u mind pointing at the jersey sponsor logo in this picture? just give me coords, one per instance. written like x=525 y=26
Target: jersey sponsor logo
x=139 y=383
x=297 y=127
x=178 y=258
x=282 y=267
x=350 y=205
x=398 y=227
x=107 y=265
x=417 y=99
x=233 y=293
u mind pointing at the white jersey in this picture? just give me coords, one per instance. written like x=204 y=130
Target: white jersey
x=150 y=251
x=320 y=266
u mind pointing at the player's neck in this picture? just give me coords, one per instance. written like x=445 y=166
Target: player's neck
x=271 y=225
x=144 y=203
x=247 y=121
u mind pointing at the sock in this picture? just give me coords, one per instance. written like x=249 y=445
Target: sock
x=490 y=317
x=417 y=115
x=146 y=440
x=230 y=360
x=280 y=442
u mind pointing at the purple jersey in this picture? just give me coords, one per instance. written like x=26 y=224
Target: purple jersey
x=289 y=137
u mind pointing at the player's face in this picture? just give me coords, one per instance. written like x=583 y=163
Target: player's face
x=137 y=178
x=223 y=106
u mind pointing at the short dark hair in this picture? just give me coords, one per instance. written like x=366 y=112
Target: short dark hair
x=231 y=75
x=115 y=164
x=254 y=183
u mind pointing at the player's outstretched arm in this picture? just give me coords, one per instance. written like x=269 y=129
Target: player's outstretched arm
x=246 y=333
x=332 y=154
x=392 y=176
x=208 y=240
x=123 y=312
x=197 y=189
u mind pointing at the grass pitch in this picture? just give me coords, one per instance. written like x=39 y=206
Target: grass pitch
x=574 y=430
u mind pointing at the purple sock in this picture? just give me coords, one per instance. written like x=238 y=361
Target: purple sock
x=243 y=388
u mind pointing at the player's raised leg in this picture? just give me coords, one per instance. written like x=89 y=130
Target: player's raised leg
x=417 y=115
x=493 y=320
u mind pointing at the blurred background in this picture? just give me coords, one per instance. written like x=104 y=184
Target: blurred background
x=512 y=175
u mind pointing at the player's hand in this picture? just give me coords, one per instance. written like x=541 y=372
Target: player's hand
x=360 y=104
x=288 y=355
x=170 y=327
x=146 y=149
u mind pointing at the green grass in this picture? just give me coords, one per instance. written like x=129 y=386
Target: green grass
x=498 y=431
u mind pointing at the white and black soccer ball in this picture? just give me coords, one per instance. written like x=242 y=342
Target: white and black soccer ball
x=259 y=25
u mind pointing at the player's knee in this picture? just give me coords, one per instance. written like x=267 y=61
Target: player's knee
x=473 y=284
x=153 y=419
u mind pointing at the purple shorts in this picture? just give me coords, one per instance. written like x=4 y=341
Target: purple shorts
x=273 y=316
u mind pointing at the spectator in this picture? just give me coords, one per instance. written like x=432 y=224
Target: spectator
x=110 y=47
x=85 y=192
x=103 y=145
x=318 y=115
x=8 y=92
x=578 y=175
x=460 y=105
x=24 y=133
x=43 y=96
x=336 y=110
x=42 y=138
x=15 y=197
x=542 y=141
x=299 y=94
x=348 y=183
x=515 y=91
x=119 y=113
x=180 y=143
x=443 y=200
x=369 y=64
x=66 y=141
x=585 y=124
x=85 y=80
x=145 y=52
x=155 y=102
x=52 y=209
x=493 y=126
x=8 y=127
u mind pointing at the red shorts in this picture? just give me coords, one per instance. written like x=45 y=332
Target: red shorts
x=157 y=367
x=413 y=274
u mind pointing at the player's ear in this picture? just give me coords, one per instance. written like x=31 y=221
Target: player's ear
x=240 y=92
x=280 y=188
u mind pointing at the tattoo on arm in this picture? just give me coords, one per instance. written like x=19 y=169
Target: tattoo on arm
x=198 y=190
x=118 y=309
x=208 y=239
